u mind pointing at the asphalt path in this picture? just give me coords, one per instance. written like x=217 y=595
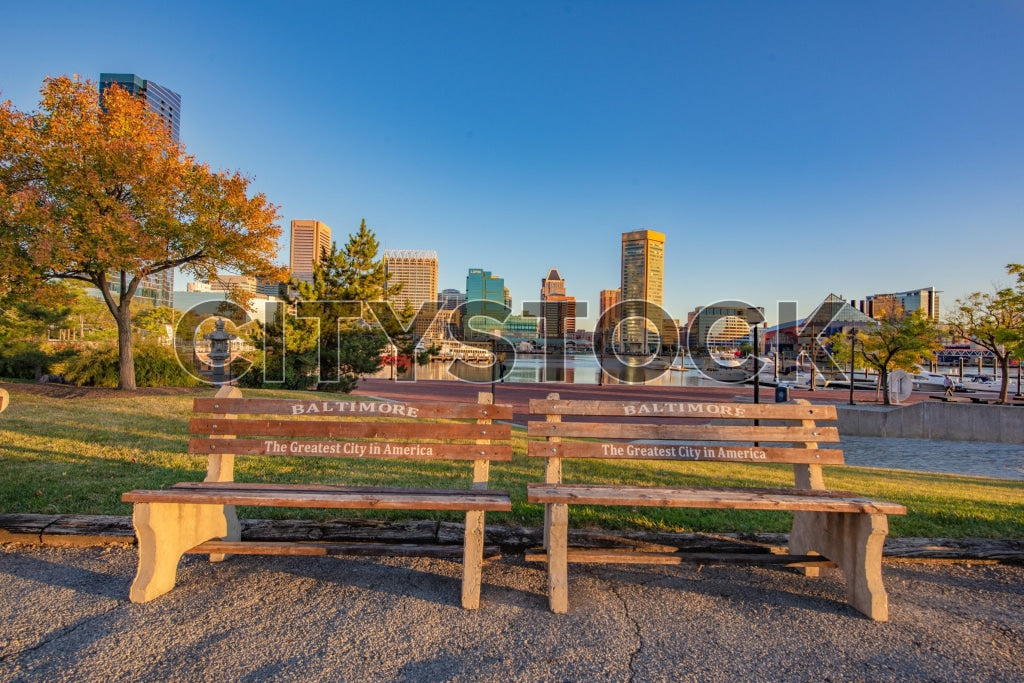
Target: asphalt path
x=64 y=616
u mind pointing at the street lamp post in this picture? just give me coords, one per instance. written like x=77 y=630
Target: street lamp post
x=757 y=369
x=494 y=363
x=853 y=355
x=813 y=366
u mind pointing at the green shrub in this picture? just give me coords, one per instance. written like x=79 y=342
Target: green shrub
x=155 y=366
x=93 y=367
x=24 y=360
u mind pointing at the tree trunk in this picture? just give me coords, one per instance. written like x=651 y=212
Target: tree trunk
x=125 y=357
x=1004 y=383
x=883 y=381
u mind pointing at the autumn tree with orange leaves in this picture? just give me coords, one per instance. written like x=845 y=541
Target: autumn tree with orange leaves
x=105 y=195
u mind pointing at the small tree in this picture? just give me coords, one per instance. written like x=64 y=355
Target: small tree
x=330 y=341
x=995 y=322
x=105 y=195
x=897 y=340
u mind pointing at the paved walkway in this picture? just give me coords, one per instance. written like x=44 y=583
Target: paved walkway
x=66 y=617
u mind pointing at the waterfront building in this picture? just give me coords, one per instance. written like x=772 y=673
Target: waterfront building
x=643 y=275
x=485 y=296
x=309 y=239
x=268 y=287
x=225 y=283
x=520 y=328
x=450 y=299
x=558 y=311
x=607 y=320
x=259 y=307
x=723 y=326
x=416 y=272
x=834 y=314
x=925 y=300
x=156 y=289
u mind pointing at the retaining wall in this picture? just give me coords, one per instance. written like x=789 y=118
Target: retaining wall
x=942 y=421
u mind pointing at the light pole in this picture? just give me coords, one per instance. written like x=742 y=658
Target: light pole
x=757 y=369
x=494 y=363
x=813 y=366
x=853 y=355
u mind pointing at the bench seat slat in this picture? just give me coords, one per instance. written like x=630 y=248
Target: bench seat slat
x=349 y=408
x=421 y=431
x=683 y=451
x=330 y=548
x=719 y=498
x=633 y=431
x=341 y=497
x=703 y=411
x=351 y=449
x=616 y=556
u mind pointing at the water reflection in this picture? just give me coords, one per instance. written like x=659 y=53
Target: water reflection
x=556 y=369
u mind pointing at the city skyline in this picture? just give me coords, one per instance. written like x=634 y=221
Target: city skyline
x=786 y=151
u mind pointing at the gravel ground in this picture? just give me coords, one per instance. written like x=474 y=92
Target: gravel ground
x=65 y=617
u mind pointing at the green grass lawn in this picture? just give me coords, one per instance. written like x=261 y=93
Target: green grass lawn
x=77 y=456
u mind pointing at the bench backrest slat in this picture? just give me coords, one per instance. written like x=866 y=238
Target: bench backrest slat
x=674 y=409
x=608 y=430
x=348 y=407
x=359 y=428
x=696 y=451
x=352 y=449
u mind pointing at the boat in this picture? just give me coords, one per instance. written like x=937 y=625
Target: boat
x=723 y=369
x=931 y=381
x=985 y=383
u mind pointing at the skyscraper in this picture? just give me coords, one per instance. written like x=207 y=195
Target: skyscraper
x=643 y=275
x=309 y=239
x=416 y=272
x=485 y=296
x=558 y=311
x=925 y=300
x=162 y=101
x=158 y=287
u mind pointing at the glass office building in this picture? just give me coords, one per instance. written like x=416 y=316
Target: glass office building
x=485 y=296
x=162 y=101
x=157 y=289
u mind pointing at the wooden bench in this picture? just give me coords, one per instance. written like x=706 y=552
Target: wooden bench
x=828 y=526
x=199 y=517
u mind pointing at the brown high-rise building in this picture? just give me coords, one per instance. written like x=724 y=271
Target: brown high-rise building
x=558 y=311
x=309 y=239
x=643 y=277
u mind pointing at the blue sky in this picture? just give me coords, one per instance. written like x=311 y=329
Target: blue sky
x=786 y=149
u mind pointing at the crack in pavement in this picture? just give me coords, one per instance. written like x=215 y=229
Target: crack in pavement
x=56 y=635
x=636 y=629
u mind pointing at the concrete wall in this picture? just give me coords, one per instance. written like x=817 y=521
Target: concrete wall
x=942 y=421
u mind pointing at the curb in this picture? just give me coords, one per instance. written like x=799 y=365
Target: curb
x=91 y=530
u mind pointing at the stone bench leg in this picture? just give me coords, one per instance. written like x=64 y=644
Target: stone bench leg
x=558 y=557
x=472 y=559
x=854 y=542
x=165 y=531
x=233 y=532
